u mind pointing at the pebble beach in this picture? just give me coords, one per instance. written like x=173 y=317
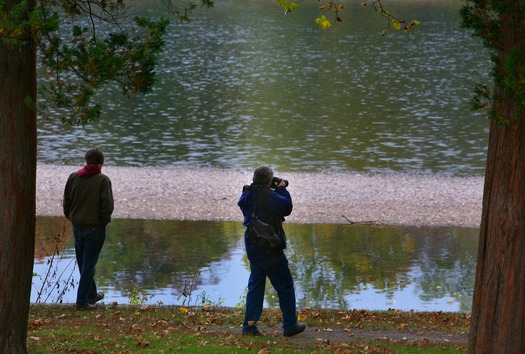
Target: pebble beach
x=210 y=194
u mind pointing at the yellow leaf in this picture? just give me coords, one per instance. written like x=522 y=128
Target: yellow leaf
x=396 y=24
x=288 y=7
x=323 y=22
x=183 y=310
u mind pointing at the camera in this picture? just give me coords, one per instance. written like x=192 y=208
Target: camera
x=277 y=180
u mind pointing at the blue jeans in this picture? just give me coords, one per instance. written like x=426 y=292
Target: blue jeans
x=88 y=244
x=276 y=269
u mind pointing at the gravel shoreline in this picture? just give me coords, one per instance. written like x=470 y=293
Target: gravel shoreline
x=181 y=193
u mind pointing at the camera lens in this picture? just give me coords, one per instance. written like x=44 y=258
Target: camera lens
x=277 y=180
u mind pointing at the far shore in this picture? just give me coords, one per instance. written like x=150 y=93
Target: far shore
x=209 y=194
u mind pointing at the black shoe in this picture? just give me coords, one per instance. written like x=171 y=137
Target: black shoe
x=97 y=298
x=86 y=307
x=255 y=333
x=298 y=329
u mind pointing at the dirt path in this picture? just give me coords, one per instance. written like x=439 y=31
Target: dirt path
x=339 y=335
x=318 y=336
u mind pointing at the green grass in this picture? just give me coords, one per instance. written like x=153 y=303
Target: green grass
x=153 y=329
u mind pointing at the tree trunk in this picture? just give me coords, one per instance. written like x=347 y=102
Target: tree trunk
x=498 y=310
x=17 y=190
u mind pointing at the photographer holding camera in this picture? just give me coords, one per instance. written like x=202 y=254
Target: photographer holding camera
x=268 y=200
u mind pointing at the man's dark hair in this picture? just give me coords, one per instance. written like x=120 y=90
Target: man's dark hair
x=94 y=157
x=262 y=175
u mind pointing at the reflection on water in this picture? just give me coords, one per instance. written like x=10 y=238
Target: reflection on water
x=334 y=266
x=235 y=93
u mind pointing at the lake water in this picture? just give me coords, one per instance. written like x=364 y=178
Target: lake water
x=334 y=266
x=244 y=85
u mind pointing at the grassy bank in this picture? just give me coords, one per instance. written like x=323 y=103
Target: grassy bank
x=152 y=329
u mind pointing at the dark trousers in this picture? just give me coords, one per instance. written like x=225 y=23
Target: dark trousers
x=88 y=244
x=276 y=269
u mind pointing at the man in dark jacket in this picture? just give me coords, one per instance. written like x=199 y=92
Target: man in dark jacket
x=88 y=204
x=272 y=206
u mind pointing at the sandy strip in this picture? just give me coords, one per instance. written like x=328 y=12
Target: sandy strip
x=211 y=194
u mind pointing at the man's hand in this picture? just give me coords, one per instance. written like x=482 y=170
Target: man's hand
x=282 y=183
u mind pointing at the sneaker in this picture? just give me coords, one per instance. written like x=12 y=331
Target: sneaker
x=97 y=298
x=86 y=307
x=298 y=329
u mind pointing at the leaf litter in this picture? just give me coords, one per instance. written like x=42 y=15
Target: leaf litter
x=127 y=329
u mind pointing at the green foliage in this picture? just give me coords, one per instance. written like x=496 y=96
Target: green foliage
x=19 y=23
x=482 y=98
x=514 y=68
x=499 y=23
x=138 y=296
x=85 y=46
x=242 y=300
x=182 y=13
x=207 y=303
x=84 y=61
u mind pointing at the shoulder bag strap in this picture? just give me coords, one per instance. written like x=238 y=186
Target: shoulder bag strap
x=254 y=204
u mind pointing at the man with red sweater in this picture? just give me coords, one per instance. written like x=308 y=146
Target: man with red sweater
x=88 y=204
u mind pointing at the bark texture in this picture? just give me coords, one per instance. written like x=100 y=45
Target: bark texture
x=498 y=311
x=17 y=191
